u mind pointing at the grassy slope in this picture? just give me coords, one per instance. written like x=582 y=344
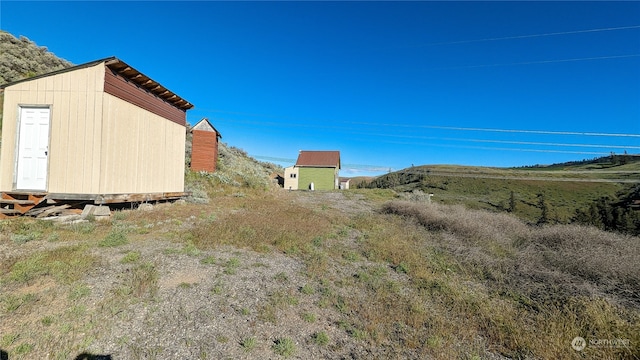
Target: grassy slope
x=566 y=188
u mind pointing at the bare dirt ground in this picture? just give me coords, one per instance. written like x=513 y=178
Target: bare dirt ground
x=228 y=303
x=207 y=311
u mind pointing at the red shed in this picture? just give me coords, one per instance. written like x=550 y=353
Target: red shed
x=204 y=147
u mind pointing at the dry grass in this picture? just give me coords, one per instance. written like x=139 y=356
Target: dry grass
x=408 y=281
x=545 y=263
x=261 y=224
x=526 y=292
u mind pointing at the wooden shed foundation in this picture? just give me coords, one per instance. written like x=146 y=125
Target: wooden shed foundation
x=39 y=204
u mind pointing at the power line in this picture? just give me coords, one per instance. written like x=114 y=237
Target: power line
x=531 y=36
x=604 y=146
x=597 y=153
x=317 y=124
x=539 y=62
x=543 y=132
x=456 y=128
x=449 y=139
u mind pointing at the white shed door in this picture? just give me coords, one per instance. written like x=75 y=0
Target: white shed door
x=33 y=148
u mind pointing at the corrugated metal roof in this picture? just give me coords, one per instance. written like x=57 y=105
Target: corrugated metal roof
x=126 y=71
x=319 y=158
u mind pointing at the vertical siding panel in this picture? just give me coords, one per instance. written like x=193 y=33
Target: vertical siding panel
x=179 y=150
x=49 y=100
x=161 y=170
x=40 y=91
x=89 y=122
x=31 y=96
x=7 y=150
x=155 y=168
x=73 y=170
x=104 y=138
x=145 y=152
x=81 y=131
x=175 y=155
x=113 y=146
x=130 y=138
x=142 y=130
x=136 y=172
x=97 y=132
x=58 y=175
x=69 y=133
x=171 y=182
x=169 y=156
x=159 y=183
x=151 y=138
x=118 y=163
x=66 y=81
x=168 y=180
x=57 y=147
x=49 y=90
x=55 y=151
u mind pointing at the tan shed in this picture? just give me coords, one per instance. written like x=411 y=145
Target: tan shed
x=204 y=146
x=100 y=131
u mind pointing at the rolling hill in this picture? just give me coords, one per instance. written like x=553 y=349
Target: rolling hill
x=564 y=189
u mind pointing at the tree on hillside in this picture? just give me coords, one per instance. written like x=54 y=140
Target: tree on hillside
x=611 y=215
x=544 y=209
x=512 y=202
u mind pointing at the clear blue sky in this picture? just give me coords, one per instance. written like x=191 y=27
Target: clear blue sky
x=389 y=84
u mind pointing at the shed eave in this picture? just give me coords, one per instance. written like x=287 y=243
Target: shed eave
x=125 y=71
x=145 y=82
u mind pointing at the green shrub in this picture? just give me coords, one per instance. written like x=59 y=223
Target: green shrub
x=131 y=257
x=321 y=338
x=248 y=343
x=114 y=238
x=284 y=347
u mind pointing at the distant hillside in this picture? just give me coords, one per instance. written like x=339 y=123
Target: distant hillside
x=599 y=192
x=21 y=58
x=604 y=162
